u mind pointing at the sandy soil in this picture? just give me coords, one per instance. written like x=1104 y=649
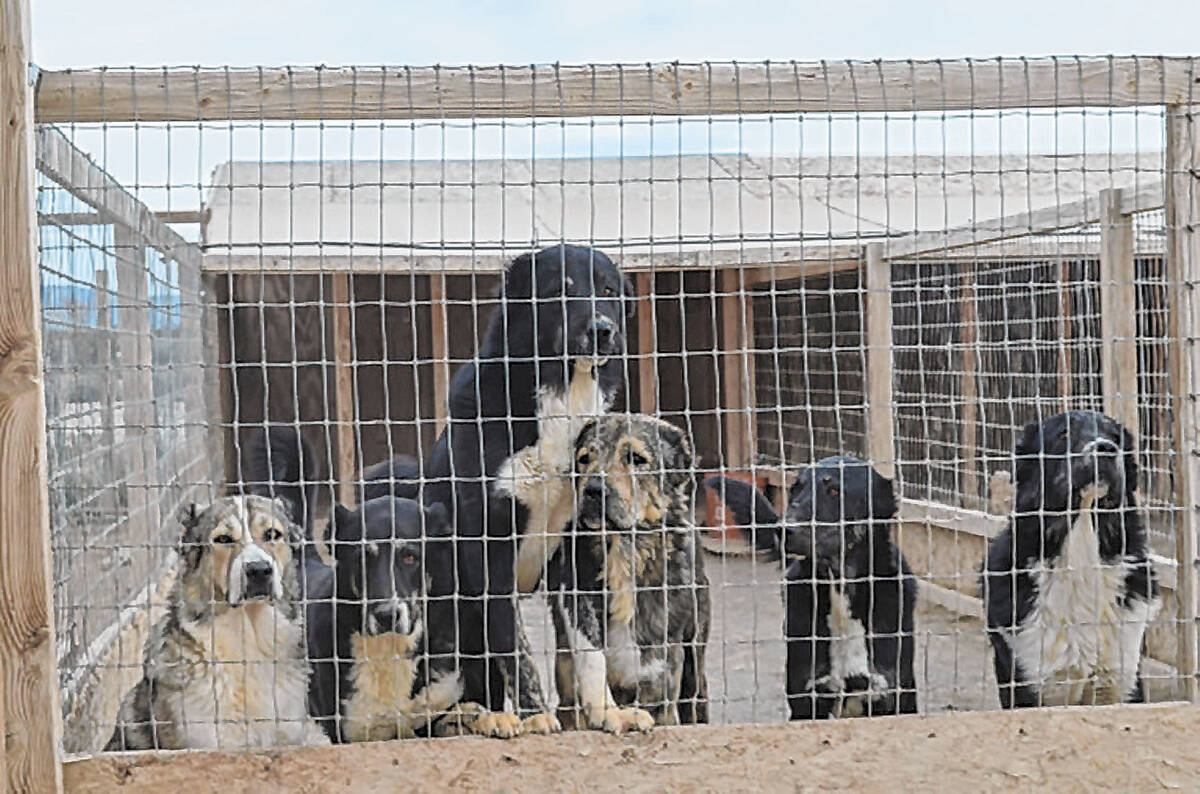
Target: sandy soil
x=1131 y=748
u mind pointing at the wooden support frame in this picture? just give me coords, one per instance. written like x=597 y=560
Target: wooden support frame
x=1065 y=360
x=343 y=367
x=29 y=706
x=1118 y=312
x=647 y=345
x=738 y=398
x=555 y=90
x=441 y=348
x=1183 y=275
x=969 y=388
x=881 y=432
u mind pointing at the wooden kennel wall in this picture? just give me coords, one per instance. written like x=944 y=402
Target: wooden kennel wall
x=33 y=755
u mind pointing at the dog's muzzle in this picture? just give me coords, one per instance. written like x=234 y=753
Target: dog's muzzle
x=600 y=339
x=392 y=616
x=1099 y=462
x=254 y=577
x=592 y=502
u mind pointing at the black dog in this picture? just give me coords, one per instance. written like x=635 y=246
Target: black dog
x=550 y=360
x=366 y=617
x=849 y=595
x=1068 y=586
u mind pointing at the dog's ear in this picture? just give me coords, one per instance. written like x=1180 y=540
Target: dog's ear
x=345 y=525
x=629 y=296
x=188 y=515
x=1129 y=448
x=519 y=278
x=1027 y=453
x=437 y=520
x=681 y=458
x=586 y=433
x=883 y=496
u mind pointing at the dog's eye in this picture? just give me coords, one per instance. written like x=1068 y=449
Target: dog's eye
x=833 y=490
x=584 y=458
x=608 y=292
x=637 y=459
x=272 y=535
x=223 y=539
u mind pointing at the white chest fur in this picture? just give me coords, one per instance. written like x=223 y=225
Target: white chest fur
x=1078 y=644
x=538 y=476
x=848 y=657
x=252 y=688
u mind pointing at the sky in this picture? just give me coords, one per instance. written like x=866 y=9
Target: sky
x=75 y=33
x=179 y=161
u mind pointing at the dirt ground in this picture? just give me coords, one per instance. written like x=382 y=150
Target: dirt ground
x=1129 y=748
x=746 y=650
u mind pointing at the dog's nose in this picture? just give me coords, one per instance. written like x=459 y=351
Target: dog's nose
x=1104 y=446
x=258 y=571
x=593 y=491
x=393 y=615
x=601 y=332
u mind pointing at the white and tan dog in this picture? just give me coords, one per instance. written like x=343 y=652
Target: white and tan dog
x=225 y=667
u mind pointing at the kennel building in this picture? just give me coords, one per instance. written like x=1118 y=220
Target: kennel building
x=904 y=261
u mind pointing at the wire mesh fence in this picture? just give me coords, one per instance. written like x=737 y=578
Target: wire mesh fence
x=904 y=263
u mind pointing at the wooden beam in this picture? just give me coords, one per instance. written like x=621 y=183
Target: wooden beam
x=1183 y=273
x=969 y=388
x=1039 y=221
x=343 y=357
x=94 y=218
x=737 y=370
x=1118 y=312
x=647 y=345
x=881 y=440
x=441 y=348
x=28 y=664
x=770 y=262
x=58 y=159
x=703 y=89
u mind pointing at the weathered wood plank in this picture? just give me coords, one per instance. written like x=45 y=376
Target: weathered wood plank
x=687 y=89
x=441 y=348
x=969 y=388
x=58 y=159
x=881 y=438
x=1047 y=219
x=1183 y=272
x=770 y=261
x=32 y=720
x=1118 y=312
x=343 y=356
x=737 y=370
x=647 y=346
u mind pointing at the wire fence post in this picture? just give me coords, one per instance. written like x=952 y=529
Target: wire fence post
x=1183 y=273
x=28 y=681
x=1118 y=312
x=881 y=439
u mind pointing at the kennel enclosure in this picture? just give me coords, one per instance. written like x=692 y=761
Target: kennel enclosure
x=191 y=252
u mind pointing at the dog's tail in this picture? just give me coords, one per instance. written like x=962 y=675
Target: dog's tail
x=399 y=476
x=751 y=509
x=280 y=463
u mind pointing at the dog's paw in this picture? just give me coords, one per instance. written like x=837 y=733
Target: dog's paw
x=618 y=720
x=541 y=723
x=497 y=724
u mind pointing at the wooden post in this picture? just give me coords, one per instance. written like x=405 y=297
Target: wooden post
x=108 y=420
x=1064 y=334
x=137 y=386
x=1118 y=312
x=647 y=346
x=1183 y=274
x=881 y=439
x=970 y=393
x=28 y=680
x=343 y=355
x=441 y=348
x=737 y=370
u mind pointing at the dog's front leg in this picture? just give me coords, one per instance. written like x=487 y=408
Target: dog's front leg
x=589 y=670
x=525 y=688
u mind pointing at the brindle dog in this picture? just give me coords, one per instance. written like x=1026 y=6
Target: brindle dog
x=630 y=599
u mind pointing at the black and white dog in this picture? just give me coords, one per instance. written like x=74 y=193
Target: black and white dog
x=549 y=362
x=849 y=594
x=1068 y=586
